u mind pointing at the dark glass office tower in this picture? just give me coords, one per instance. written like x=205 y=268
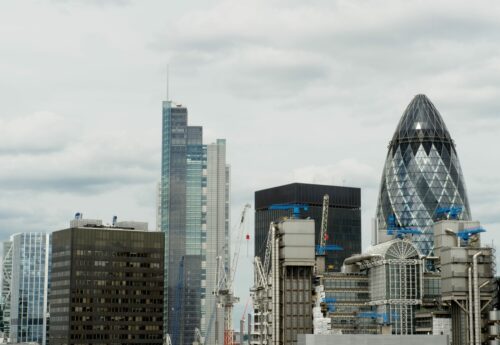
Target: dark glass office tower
x=344 y=216
x=421 y=174
x=183 y=221
x=106 y=286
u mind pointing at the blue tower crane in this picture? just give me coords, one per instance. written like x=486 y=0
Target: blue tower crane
x=330 y=302
x=449 y=212
x=393 y=228
x=466 y=234
x=375 y=315
x=295 y=207
x=178 y=304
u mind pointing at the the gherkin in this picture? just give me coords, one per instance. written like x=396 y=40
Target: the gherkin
x=421 y=173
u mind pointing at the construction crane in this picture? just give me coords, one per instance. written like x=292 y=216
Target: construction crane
x=450 y=212
x=242 y=323
x=466 y=234
x=177 y=312
x=224 y=288
x=322 y=247
x=375 y=315
x=330 y=303
x=167 y=340
x=198 y=339
x=393 y=228
x=294 y=207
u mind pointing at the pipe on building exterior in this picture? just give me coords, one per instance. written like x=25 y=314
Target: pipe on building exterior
x=275 y=295
x=357 y=258
x=471 y=309
x=477 y=300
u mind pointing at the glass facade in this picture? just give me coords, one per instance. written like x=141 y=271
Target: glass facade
x=421 y=174
x=183 y=218
x=344 y=216
x=29 y=287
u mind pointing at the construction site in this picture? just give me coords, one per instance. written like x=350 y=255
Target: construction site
x=391 y=289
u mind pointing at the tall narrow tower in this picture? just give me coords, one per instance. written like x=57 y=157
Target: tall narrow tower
x=194 y=215
x=421 y=174
x=183 y=220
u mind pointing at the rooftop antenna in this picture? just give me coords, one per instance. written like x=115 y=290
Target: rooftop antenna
x=168 y=77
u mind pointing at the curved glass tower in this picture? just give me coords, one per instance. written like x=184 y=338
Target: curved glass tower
x=421 y=173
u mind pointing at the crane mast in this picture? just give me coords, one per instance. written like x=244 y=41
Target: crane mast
x=324 y=221
x=224 y=290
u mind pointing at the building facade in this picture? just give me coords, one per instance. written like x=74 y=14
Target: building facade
x=421 y=174
x=194 y=192
x=25 y=287
x=217 y=237
x=344 y=216
x=106 y=286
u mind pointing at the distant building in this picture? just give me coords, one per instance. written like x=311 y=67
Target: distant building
x=194 y=215
x=183 y=219
x=217 y=236
x=106 y=285
x=421 y=174
x=344 y=216
x=25 y=287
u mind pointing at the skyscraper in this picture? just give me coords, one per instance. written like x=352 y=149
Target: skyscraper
x=421 y=174
x=25 y=286
x=344 y=216
x=217 y=236
x=107 y=284
x=193 y=192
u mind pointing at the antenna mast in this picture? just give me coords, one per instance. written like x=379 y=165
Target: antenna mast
x=168 y=77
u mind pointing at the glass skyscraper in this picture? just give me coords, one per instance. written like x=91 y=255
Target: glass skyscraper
x=421 y=174
x=27 y=267
x=184 y=212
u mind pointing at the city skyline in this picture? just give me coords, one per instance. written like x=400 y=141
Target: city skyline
x=80 y=124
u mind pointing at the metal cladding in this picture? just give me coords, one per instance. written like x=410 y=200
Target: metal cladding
x=421 y=174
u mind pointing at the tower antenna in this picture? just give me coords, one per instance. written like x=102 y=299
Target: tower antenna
x=168 y=80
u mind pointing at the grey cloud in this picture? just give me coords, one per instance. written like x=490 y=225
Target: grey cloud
x=101 y=3
x=84 y=161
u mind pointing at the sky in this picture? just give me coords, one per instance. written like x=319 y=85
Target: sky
x=303 y=91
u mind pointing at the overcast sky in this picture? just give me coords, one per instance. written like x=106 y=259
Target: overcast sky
x=303 y=91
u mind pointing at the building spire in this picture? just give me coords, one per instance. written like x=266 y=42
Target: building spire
x=168 y=81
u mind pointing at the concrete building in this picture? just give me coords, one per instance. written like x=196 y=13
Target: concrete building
x=106 y=285
x=365 y=339
x=6 y=292
x=344 y=216
x=282 y=291
x=25 y=281
x=422 y=173
x=217 y=237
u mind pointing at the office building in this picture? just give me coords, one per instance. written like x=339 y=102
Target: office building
x=25 y=287
x=217 y=237
x=195 y=219
x=421 y=174
x=5 y=294
x=344 y=216
x=106 y=285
